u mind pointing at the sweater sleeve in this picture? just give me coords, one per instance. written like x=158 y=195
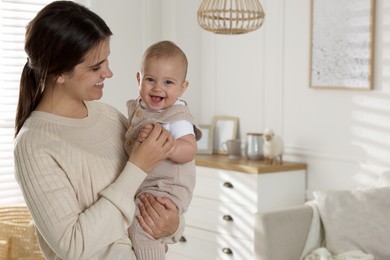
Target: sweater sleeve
x=73 y=233
x=123 y=190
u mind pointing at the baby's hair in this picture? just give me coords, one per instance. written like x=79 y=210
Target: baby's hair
x=165 y=49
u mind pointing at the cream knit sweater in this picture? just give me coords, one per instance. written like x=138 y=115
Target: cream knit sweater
x=78 y=184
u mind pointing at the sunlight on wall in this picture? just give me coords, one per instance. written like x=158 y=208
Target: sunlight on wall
x=371 y=133
x=371 y=121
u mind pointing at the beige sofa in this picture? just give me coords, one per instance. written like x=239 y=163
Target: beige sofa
x=282 y=234
x=340 y=221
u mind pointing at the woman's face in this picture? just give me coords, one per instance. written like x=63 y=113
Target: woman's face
x=86 y=81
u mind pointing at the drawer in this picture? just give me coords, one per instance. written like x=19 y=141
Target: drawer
x=201 y=244
x=227 y=186
x=225 y=218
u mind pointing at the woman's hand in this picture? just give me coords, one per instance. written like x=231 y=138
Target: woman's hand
x=156 y=147
x=158 y=216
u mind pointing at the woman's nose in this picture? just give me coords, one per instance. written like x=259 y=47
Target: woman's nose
x=107 y=73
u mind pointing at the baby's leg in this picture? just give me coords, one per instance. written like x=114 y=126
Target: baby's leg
x=145 y=246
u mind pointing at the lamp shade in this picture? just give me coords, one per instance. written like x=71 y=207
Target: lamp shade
x=230 y=16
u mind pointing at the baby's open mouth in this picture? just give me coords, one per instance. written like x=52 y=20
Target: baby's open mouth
x=156 y=99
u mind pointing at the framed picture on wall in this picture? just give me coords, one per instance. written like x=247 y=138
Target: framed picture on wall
x=205 y=144
x=342 y=44
x=225 y=128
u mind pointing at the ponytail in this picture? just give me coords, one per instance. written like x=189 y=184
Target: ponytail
x=30 y=93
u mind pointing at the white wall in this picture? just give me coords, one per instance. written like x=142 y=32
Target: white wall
x=138 y=24
x=342 y=134
x=263 y=77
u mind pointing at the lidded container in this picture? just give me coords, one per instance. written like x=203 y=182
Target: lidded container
x=254 y=146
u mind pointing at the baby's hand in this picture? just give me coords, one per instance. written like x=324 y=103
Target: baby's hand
x=144 y=132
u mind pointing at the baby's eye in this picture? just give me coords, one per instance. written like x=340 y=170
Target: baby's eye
x=168 y=82
x=149 y=79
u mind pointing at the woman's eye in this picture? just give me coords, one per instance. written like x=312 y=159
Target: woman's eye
x=95 y=68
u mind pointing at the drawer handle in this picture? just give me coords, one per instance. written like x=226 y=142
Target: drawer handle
x=228 y=185
x=227 y=251
x=182 y=239
x=227 y=218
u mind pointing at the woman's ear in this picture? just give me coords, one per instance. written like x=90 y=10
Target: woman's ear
x=60 y=79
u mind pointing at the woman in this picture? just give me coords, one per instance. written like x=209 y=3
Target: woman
x=76 y=178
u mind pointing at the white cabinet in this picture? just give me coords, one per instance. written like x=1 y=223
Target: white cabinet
x=220 y=219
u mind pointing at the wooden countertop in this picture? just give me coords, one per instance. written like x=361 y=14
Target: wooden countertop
x=244 y=165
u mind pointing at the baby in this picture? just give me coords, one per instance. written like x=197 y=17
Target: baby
x=162 y=81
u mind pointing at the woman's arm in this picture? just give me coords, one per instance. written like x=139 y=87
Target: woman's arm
x=73 y=228
x=52 y=184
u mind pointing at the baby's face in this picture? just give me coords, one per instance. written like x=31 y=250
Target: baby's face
x=162 y=82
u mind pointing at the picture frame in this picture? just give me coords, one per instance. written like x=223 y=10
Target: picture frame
x=205 y=144
x=225 y=128
x=342 y=44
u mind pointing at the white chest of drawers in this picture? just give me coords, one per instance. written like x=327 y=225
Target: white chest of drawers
x=220 y=219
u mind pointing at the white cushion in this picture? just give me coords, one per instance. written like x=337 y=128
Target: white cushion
x=356 y=220
x=384 y=180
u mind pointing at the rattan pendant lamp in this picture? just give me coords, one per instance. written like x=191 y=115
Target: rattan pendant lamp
x=230 y=16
